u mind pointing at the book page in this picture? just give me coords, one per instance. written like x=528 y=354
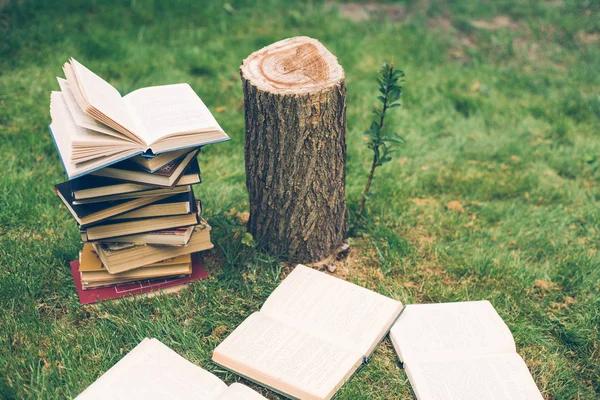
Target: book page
x=82 y=119
x=332 y=308
x=449 y=330
x=169 y=110
x=152 y=371
x=493 y=377
x=60 y=129
x=70 y=134
x=237 y=391
x=80 y=158
x=103 y=97
x=286 y=359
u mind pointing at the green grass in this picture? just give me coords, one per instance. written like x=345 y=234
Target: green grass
x=505 y=121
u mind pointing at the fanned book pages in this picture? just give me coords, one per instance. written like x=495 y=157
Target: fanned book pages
x=152 y=371
x=93 y=126
x=313 y=332
x=461 y=351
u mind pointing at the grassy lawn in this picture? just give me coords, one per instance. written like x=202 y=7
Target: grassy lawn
x=495 y=195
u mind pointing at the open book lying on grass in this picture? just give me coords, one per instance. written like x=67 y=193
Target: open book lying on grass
x=310 y=336
x=461 y=351
x=94 y=126
x=152 y=371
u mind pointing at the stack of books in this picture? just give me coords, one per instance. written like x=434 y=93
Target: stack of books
x=131 y=162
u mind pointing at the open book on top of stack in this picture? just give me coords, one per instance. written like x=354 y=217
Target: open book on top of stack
x=131 y=163
x=93 y=126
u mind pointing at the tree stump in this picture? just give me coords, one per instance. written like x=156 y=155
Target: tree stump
x=295 y=149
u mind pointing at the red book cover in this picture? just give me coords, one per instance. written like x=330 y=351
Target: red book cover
x=129 y=289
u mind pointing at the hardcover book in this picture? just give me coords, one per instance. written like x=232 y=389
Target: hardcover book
x=165 y=237
x=91 y=280
x=167 y=176
x=93 y=126
x=90 y=262
x=182 y=203
x=151 y=164
x=135 y=195
x=120 y=257
x=91 y=277
x=145 y=288
x=116 y=228
x=93 y=213
x=93 y=187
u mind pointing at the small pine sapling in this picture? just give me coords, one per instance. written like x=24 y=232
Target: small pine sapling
x=382 y=142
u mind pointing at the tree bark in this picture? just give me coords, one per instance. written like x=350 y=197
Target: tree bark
x=295 y=149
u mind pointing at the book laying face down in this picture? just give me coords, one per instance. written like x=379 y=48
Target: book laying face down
x=313 y=332
x=152 y=371
x=93 y=126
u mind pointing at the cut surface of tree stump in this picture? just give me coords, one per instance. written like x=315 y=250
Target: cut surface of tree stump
x=295 y=148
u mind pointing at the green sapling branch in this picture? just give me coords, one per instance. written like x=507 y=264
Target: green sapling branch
x=382 y=143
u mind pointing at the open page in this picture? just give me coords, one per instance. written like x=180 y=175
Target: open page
x=450 y=330
x=332 y=308
x=152 y=371
x=82 y=119
x=65 y=132
x=286 y=359
x=492 y=377
x=167 y=110
x=237 y=391
x=103 y=97
x=76 y=135
x=79 y=155
x=60 y=131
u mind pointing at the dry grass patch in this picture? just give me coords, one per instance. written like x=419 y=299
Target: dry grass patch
x=359 y=12
x=499 y=22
